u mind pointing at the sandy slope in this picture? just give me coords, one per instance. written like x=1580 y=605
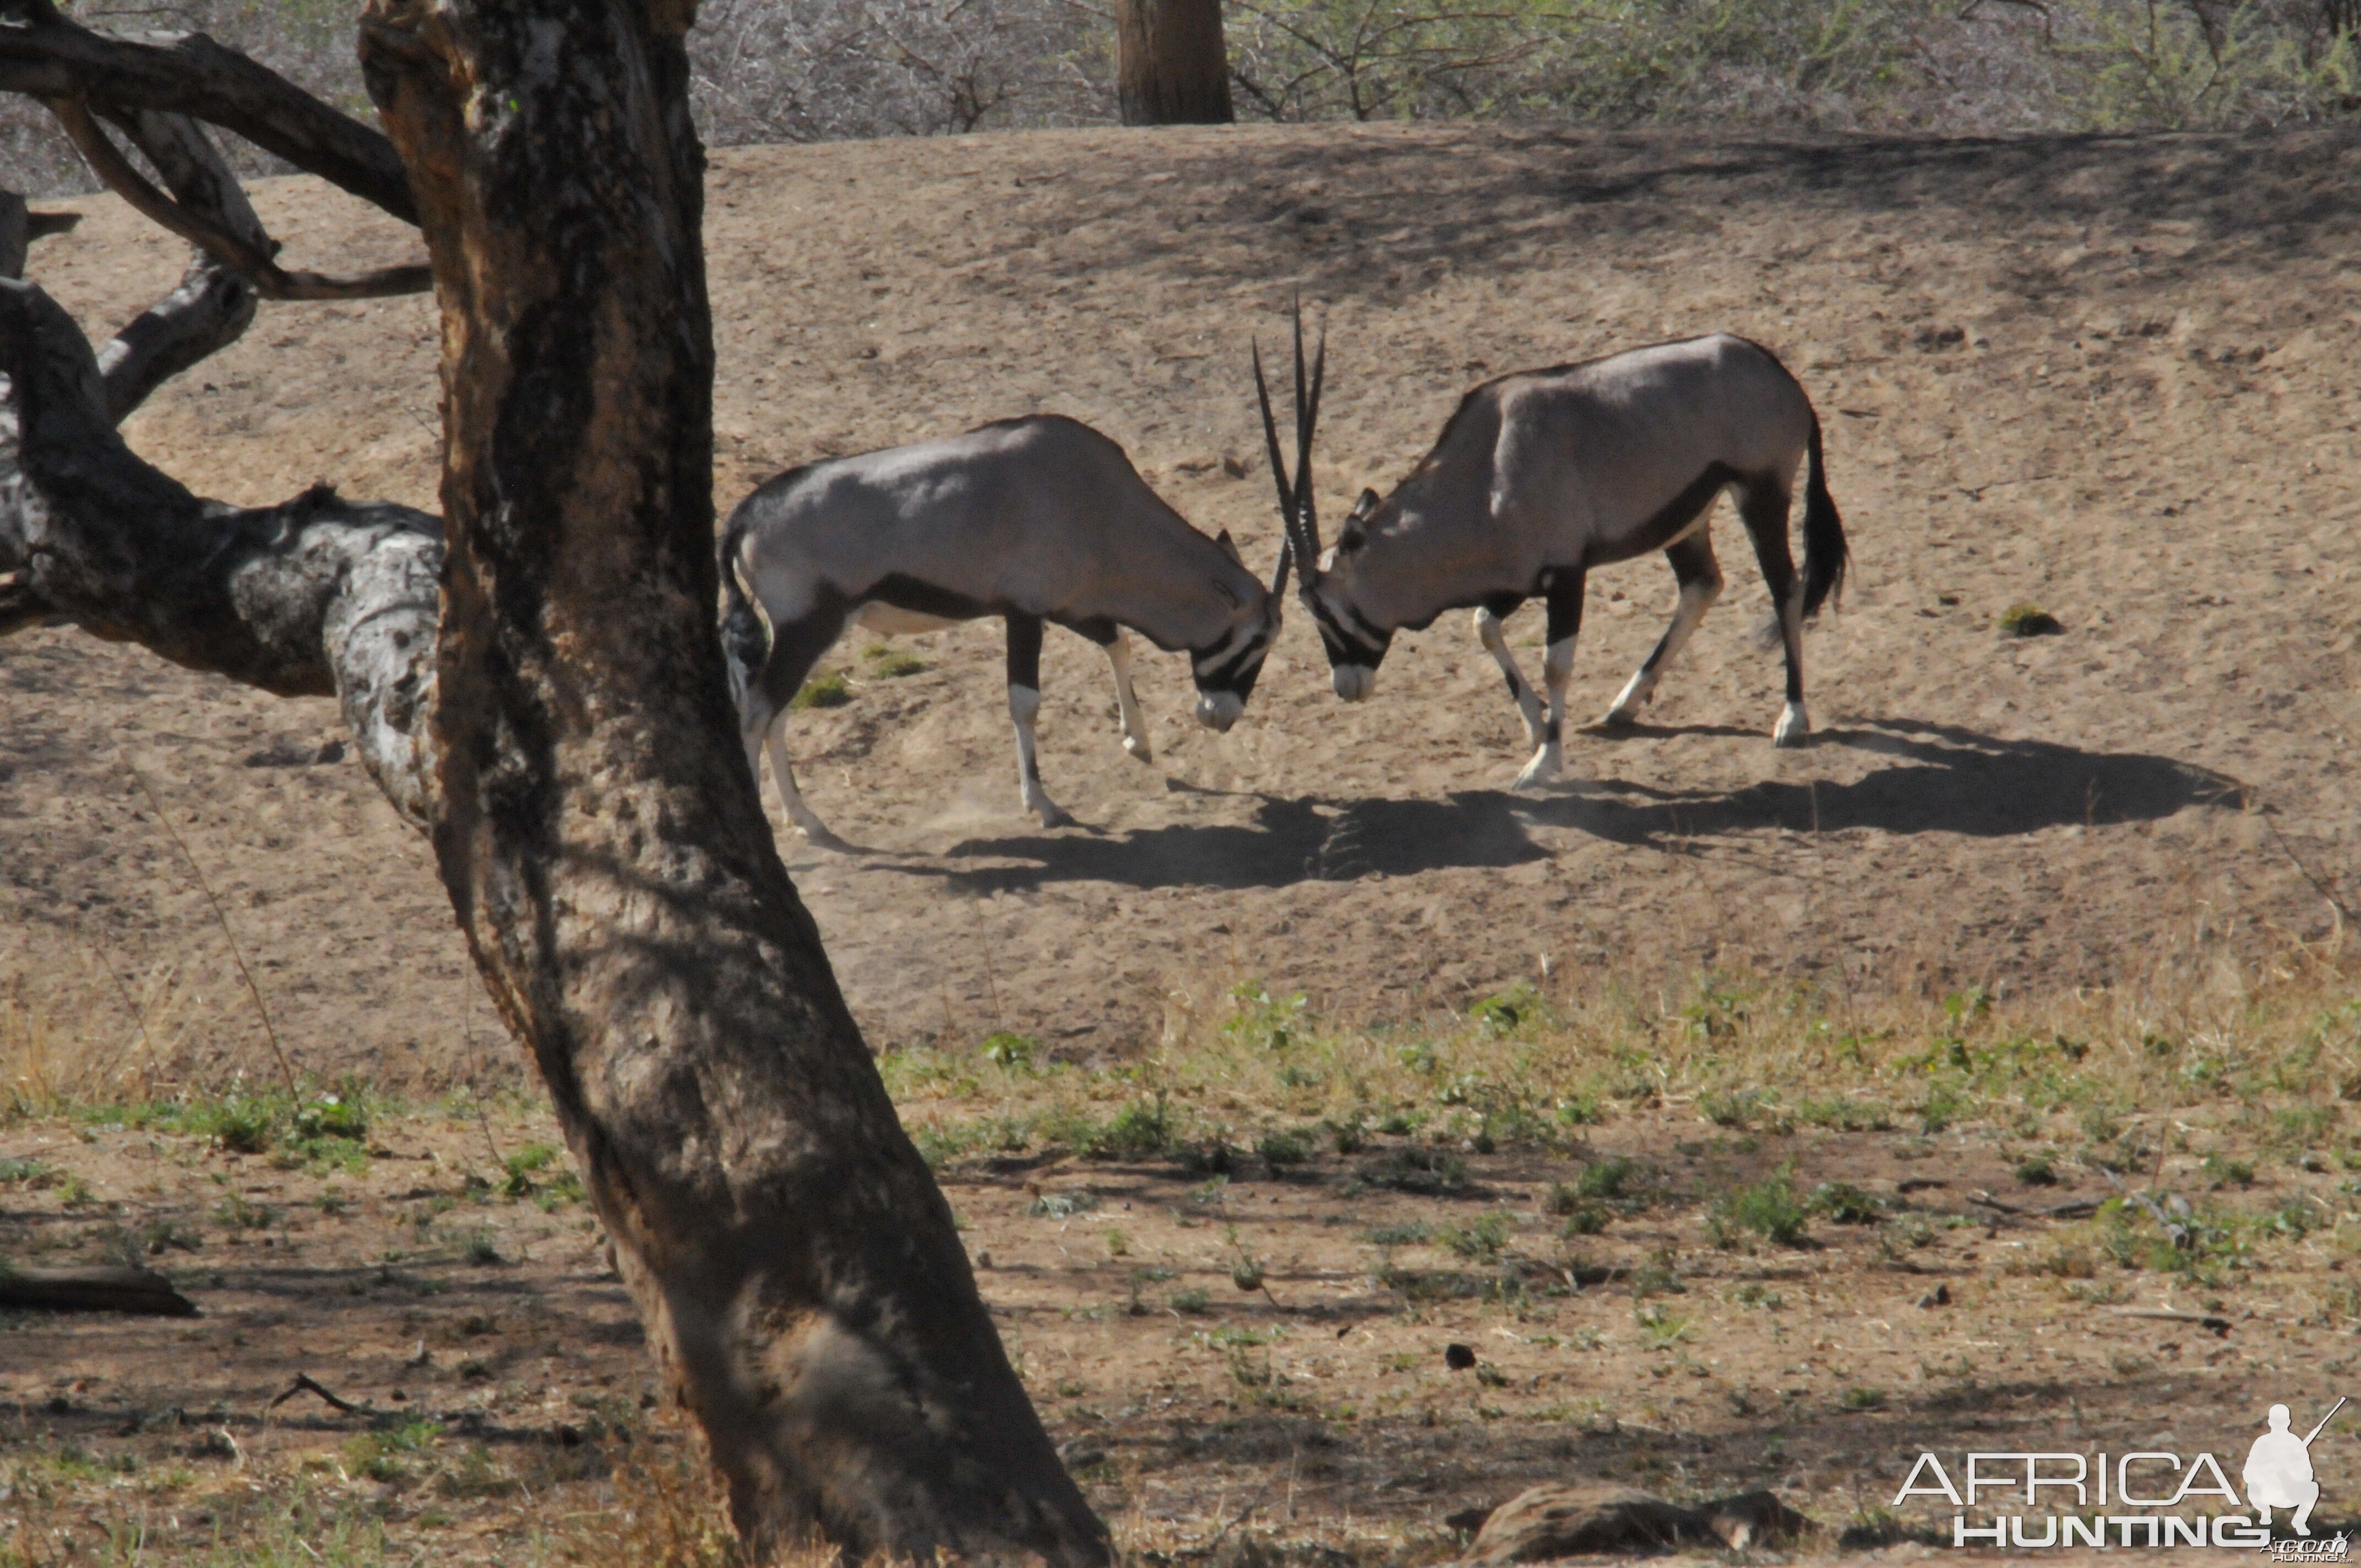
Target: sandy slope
x=2146 y=424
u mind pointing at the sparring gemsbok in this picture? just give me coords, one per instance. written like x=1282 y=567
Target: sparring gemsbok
x=1035 y=520
x=1542 y=476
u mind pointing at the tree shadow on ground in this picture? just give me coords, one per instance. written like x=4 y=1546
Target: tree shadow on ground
x=1939 y=779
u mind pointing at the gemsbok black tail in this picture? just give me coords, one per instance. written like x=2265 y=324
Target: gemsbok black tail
x=745 y=635
x=1825 y=554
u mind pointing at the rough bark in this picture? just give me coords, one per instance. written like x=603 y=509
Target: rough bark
x=316 y=597
x=1171 y=65
x=601 y=838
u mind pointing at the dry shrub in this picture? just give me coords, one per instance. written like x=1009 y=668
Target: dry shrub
x=665 y=1511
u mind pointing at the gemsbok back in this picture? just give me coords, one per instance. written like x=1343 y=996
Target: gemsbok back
x=1035 y=520
x=1543 y=474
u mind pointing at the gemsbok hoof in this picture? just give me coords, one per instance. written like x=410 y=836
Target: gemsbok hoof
x=1139 y=749
x=1543 y=769
x=1794 y=730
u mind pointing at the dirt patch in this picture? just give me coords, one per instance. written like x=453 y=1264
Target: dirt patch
x=2101 y=377
x=467 y=1306
x=2106 y=382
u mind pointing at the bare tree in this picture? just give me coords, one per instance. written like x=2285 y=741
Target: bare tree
x=1171 y=68
x=536 y=681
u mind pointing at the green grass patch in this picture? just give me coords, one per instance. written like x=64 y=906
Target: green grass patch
x=833 y=689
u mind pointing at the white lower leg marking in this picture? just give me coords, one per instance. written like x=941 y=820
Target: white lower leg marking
x=1487 y=628
x=1126 y=701
x=783 y=774
x=1696 y=600
x=1024 y=705
x=1795 y=726
x=1557 y=670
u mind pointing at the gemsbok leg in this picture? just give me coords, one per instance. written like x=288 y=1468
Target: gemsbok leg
x=1563 y=589
x=1699 y=577
x=795 y=649
x=1024 y=705
x=1762 y=506
x=1489 y=618
x=1126 y=701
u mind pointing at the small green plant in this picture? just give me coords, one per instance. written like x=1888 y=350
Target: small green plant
x=1586 y=1219
x=1758 y=1296
x=1259 y=1019
x=522 y=1165
x=238 y=1213
x=1478 y=1242
x=1610 y=1179
x=25 y=1172
x=830 y=690
x=76 y=1192
x=1285 y=1147
x=2037 y=1170
x=1416 y=1232
x=893 y=663
x=480 y=1249
x=332 y=1116
x=1190 y=1303
x=1864 y=1398
x=1141 y=1130
x=1845 y=1204
x=1739 y=1108
x=2223 y=1171
x=1769 y=1209
x=385 y=1455
x=2028 y=619
x=1062 y=1205
x=1428 y=1173
x=1504 y=1013
x=240 y=1124
x=1117 y=1244
x=1009 y=1053
x=1662 y=1326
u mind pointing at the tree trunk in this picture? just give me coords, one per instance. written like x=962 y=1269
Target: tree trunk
x=601 y=837
x=1171 y=67
x=554 y=714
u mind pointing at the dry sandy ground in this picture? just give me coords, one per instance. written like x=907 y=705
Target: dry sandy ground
x=1317 y=1416
x=2144 y=421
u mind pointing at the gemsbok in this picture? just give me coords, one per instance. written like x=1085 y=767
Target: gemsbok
x=1542 y=474
x=1035 y=520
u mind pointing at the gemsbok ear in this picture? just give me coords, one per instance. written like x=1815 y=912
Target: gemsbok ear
x=1229 y=547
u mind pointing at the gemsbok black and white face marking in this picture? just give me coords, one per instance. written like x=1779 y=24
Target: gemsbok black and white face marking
x=1226 y=673
x=1039 y=521
x=1542 y=476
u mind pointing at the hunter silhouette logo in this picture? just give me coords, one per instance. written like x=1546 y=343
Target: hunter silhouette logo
x=2148 y=1497
x=2279 y=1470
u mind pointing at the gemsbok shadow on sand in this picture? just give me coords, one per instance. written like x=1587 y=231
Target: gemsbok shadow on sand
x=1939 y=779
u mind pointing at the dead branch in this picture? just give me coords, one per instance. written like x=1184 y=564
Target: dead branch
x=251 y=256
x=44 y=56
x=315 y=597
x=304 y=1383
x=140 y=1291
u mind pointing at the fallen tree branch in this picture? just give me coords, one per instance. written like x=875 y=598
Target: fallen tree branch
x=305 y=1384
x=139 y=1291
